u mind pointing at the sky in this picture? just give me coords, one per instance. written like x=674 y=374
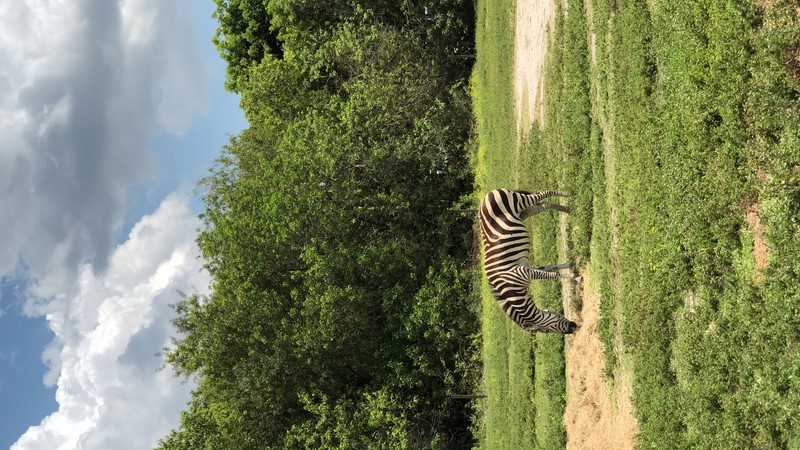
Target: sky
x=110 y=112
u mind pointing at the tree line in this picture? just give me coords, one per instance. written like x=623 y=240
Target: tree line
x=340 y=312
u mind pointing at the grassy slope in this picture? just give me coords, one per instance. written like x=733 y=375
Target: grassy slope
x=689 y=115
x=698 y=100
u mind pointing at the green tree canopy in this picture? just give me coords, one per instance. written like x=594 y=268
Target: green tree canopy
x=339 y=314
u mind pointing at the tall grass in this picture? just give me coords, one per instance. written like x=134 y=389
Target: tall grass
x=694 y=108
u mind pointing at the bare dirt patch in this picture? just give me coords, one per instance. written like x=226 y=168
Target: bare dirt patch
x=760 y=249
x=598 y=416
x=534 y=19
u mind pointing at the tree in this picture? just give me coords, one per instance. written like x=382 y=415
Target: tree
x=252 y=30
x=244 y=37
x=336 y=284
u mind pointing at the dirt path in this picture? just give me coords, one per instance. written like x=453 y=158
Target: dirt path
x=597 y=416
x=534 y=19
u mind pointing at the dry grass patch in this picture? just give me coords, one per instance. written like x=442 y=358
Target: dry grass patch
x=598 y=416
x=756 y=228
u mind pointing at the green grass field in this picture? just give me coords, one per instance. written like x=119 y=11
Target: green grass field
x=686 y=119
x=523 y=375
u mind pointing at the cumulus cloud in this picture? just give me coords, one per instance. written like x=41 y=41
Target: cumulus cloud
x=84 y=86
x=109 y=389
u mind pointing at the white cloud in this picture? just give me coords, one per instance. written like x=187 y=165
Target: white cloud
x=85 y=85
x=109 y=391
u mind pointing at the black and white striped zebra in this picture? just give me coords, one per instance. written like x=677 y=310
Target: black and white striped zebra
x=506 y=248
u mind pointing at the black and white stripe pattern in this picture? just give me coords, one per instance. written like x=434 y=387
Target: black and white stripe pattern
x=506 y=248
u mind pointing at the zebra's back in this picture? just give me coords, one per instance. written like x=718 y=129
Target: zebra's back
x=505 y=238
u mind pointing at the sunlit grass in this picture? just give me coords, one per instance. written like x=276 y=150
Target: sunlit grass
x=688 y=117
x=523 y=375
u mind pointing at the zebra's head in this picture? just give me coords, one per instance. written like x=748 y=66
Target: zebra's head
x=552 y=322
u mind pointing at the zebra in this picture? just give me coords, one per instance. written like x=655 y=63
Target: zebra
x=506 y=248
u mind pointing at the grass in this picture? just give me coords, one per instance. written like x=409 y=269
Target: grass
x=685 y=87
x=686 y=117
x=523 y=375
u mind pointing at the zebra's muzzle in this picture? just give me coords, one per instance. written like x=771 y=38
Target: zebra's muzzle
x=572 y=327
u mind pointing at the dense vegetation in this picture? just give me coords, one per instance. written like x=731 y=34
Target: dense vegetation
x=674 y=124
x=340 y=314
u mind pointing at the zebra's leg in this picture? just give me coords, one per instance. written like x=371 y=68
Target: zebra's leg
x=565 y=265
x=530 y=274
x=537 y=197
x=536 y=208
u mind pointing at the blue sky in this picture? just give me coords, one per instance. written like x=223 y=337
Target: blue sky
x=109 y=114
x=22 y=340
